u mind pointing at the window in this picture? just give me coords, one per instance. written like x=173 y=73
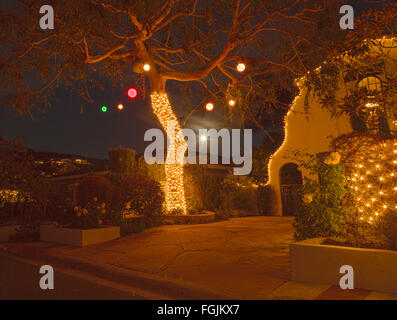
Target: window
x=371 y=85
x=371 y=112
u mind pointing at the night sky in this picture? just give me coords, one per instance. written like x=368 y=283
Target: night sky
x=64 y=129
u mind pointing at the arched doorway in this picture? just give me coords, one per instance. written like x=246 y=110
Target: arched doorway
x=290 y=184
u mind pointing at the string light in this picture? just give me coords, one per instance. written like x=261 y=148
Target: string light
x=146 y=67
x=209 y=106
x=120 y=107
x=299 y=82
x=240 y=67
x=132 y=93
x=174 y=193
x=289 y=113
x=232 y=102
x=382 y=179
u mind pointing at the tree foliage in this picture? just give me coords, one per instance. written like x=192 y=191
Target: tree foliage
x=197 y=43
x=370 y=51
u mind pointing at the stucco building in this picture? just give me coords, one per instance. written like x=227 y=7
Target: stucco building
x=313 y=131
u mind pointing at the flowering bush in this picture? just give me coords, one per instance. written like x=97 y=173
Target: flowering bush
x=308 y=198
x=140 y=195
x=332 y=159
x=93 y=214
x=325 y=193
x=94 y=186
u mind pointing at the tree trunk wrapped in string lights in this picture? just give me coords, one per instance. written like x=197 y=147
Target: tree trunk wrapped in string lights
x=175 y=193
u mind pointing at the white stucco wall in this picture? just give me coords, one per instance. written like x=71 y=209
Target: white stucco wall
x=310 y=133
x=313 y=132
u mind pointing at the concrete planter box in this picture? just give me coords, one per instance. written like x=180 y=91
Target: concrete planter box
x=314 y=262
x=78 y=237
x=7 y=231
x=206 y=217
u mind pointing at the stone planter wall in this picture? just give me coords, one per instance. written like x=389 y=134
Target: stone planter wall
x=374 y=269
x=7 y=231
x=206 y=217
x=78 y=237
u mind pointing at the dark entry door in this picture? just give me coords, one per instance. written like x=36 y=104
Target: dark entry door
x=290 y=185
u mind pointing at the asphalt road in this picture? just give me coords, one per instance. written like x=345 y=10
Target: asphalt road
x=19 y=280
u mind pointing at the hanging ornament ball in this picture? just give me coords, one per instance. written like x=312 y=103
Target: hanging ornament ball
x=232 y=102
x=241 y=67
x=146 y=67
x=209 y=106
x=132 y=93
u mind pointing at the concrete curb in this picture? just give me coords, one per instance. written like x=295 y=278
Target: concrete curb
x=160 y=286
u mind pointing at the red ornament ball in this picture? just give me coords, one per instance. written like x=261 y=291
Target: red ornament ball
x=132 y=93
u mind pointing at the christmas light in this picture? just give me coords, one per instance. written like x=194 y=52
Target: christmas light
x=104 y=108
x=146 y=67
x=232 y=102
x=381 y=180
x=132 y=93
x=174 y=191
x=289 y=113
x=120 y=107
x=300 y=84
x=209 y=106
x=240 y=67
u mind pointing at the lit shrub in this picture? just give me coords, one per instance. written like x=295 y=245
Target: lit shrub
x=371 y=163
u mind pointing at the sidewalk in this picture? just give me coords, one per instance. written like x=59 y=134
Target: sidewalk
x=242 y=258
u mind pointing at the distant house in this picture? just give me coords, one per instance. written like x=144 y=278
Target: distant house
x=72 y=178
x=72 y=181
x=313 y=132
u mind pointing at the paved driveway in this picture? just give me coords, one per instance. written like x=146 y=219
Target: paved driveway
x=19 y=280
x=242 y=257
